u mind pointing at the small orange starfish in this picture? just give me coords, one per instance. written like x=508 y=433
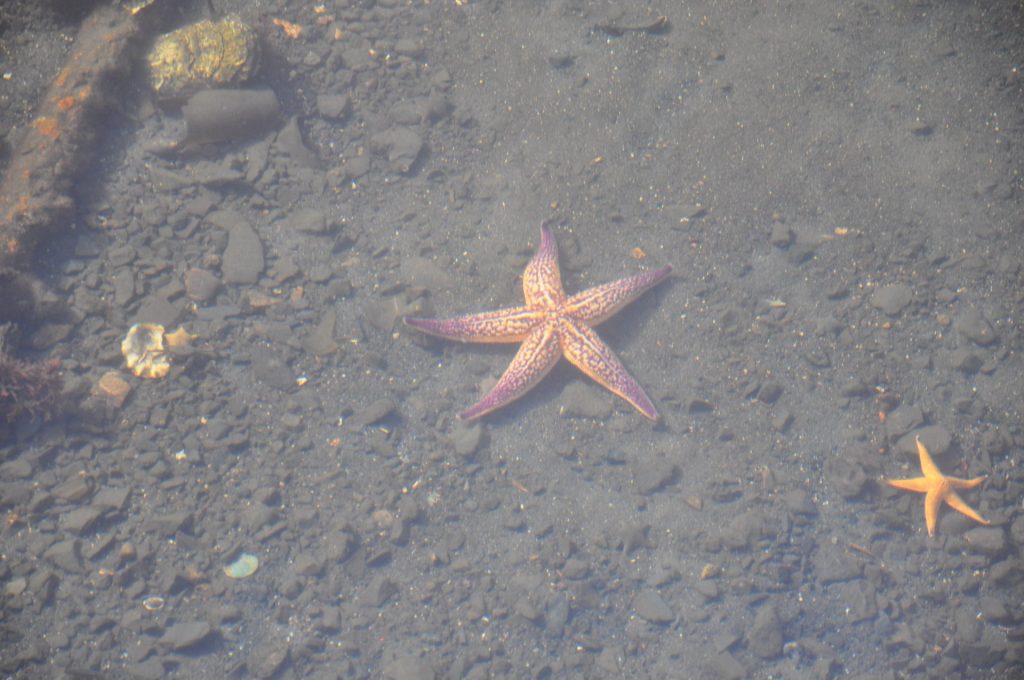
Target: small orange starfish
x=938 y=488
x=550 y=326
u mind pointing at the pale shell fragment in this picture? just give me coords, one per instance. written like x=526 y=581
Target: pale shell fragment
x=245 y=565
x=143 y=350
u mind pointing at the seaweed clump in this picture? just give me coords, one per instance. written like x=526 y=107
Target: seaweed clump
x=29 y=389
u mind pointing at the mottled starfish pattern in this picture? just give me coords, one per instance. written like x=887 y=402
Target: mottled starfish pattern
x=551 y=325
x=937 y=488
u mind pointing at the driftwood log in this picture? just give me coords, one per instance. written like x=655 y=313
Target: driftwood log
x=36 y=192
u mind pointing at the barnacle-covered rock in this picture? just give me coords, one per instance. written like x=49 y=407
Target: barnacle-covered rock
x=224 y=53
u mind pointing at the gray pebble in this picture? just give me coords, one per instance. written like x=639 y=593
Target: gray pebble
x=15 y=469
x=334 y=106
x=307 y=565
x=584 y=400
x=904 y=419
x=782 y=236
x=466 y=438
x=707 y=589
x=409 y=668
x=995 y=610
x=769 y=392
x=80 y=520
x=380 y=590
x=765 y=635
x=266 y=661
x=243 y=256
x=65 y=554
x=725 y=666
x=272 y=371
x=651 y=473
x=124 y=287
x=650 y=606
x=892 y=299
x=372 y=413
x=308 y=221
x=973 y=326
x=320 y=342
x=402 y=146
x=987 y=540
x=201 y=285
x=73 y=489
x=184 y=635
x=420 y=272
x=170 y=522
x=965 y=360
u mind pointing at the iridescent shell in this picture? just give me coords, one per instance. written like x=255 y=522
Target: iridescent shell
x=224 y=53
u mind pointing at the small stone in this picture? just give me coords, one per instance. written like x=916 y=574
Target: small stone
x=170 y=523
x=150 y=669
x=409 y=668
x=380 y=590
x=419 y=272
x=725 y=666
x=403 y=147
x=334 y=106
x=583 y=400
x=892 y=299
x=80 y=520
x=651 y=473
x=15 y=469
x=265 y=662
x=904 y=419
x=65 y=554
x=112 y=388
x=320 y=342
x=242 y=261
x=114 y=498
x=407 y=47
x=370 y=414
x=524 y=608
x=782 y=236
x=73 y=489
x=15 y=586
x=201 y=285
x=769 y=392
x=707 y=589
x=847 y=477
x=307 y=565
x=184 y=635
x=308 y=221
x=765 y=635
x=466 y=438
x=965 y=360
x=798 y=501
x=989 y=541
x=650 y=606
x=995 y=610
x=699 y=406
x=575 y=568
x=973 y=326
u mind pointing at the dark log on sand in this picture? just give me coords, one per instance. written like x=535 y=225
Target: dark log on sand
x=36 y=198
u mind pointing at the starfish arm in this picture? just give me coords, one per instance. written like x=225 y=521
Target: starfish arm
x=920 y=484
x=598 y=304
x=536 y=357
x=932 y=502
x=958 y=504
x=504 y=325
x=928 y=466
x=542 y=280
x=587 y=352
x=958 y=483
